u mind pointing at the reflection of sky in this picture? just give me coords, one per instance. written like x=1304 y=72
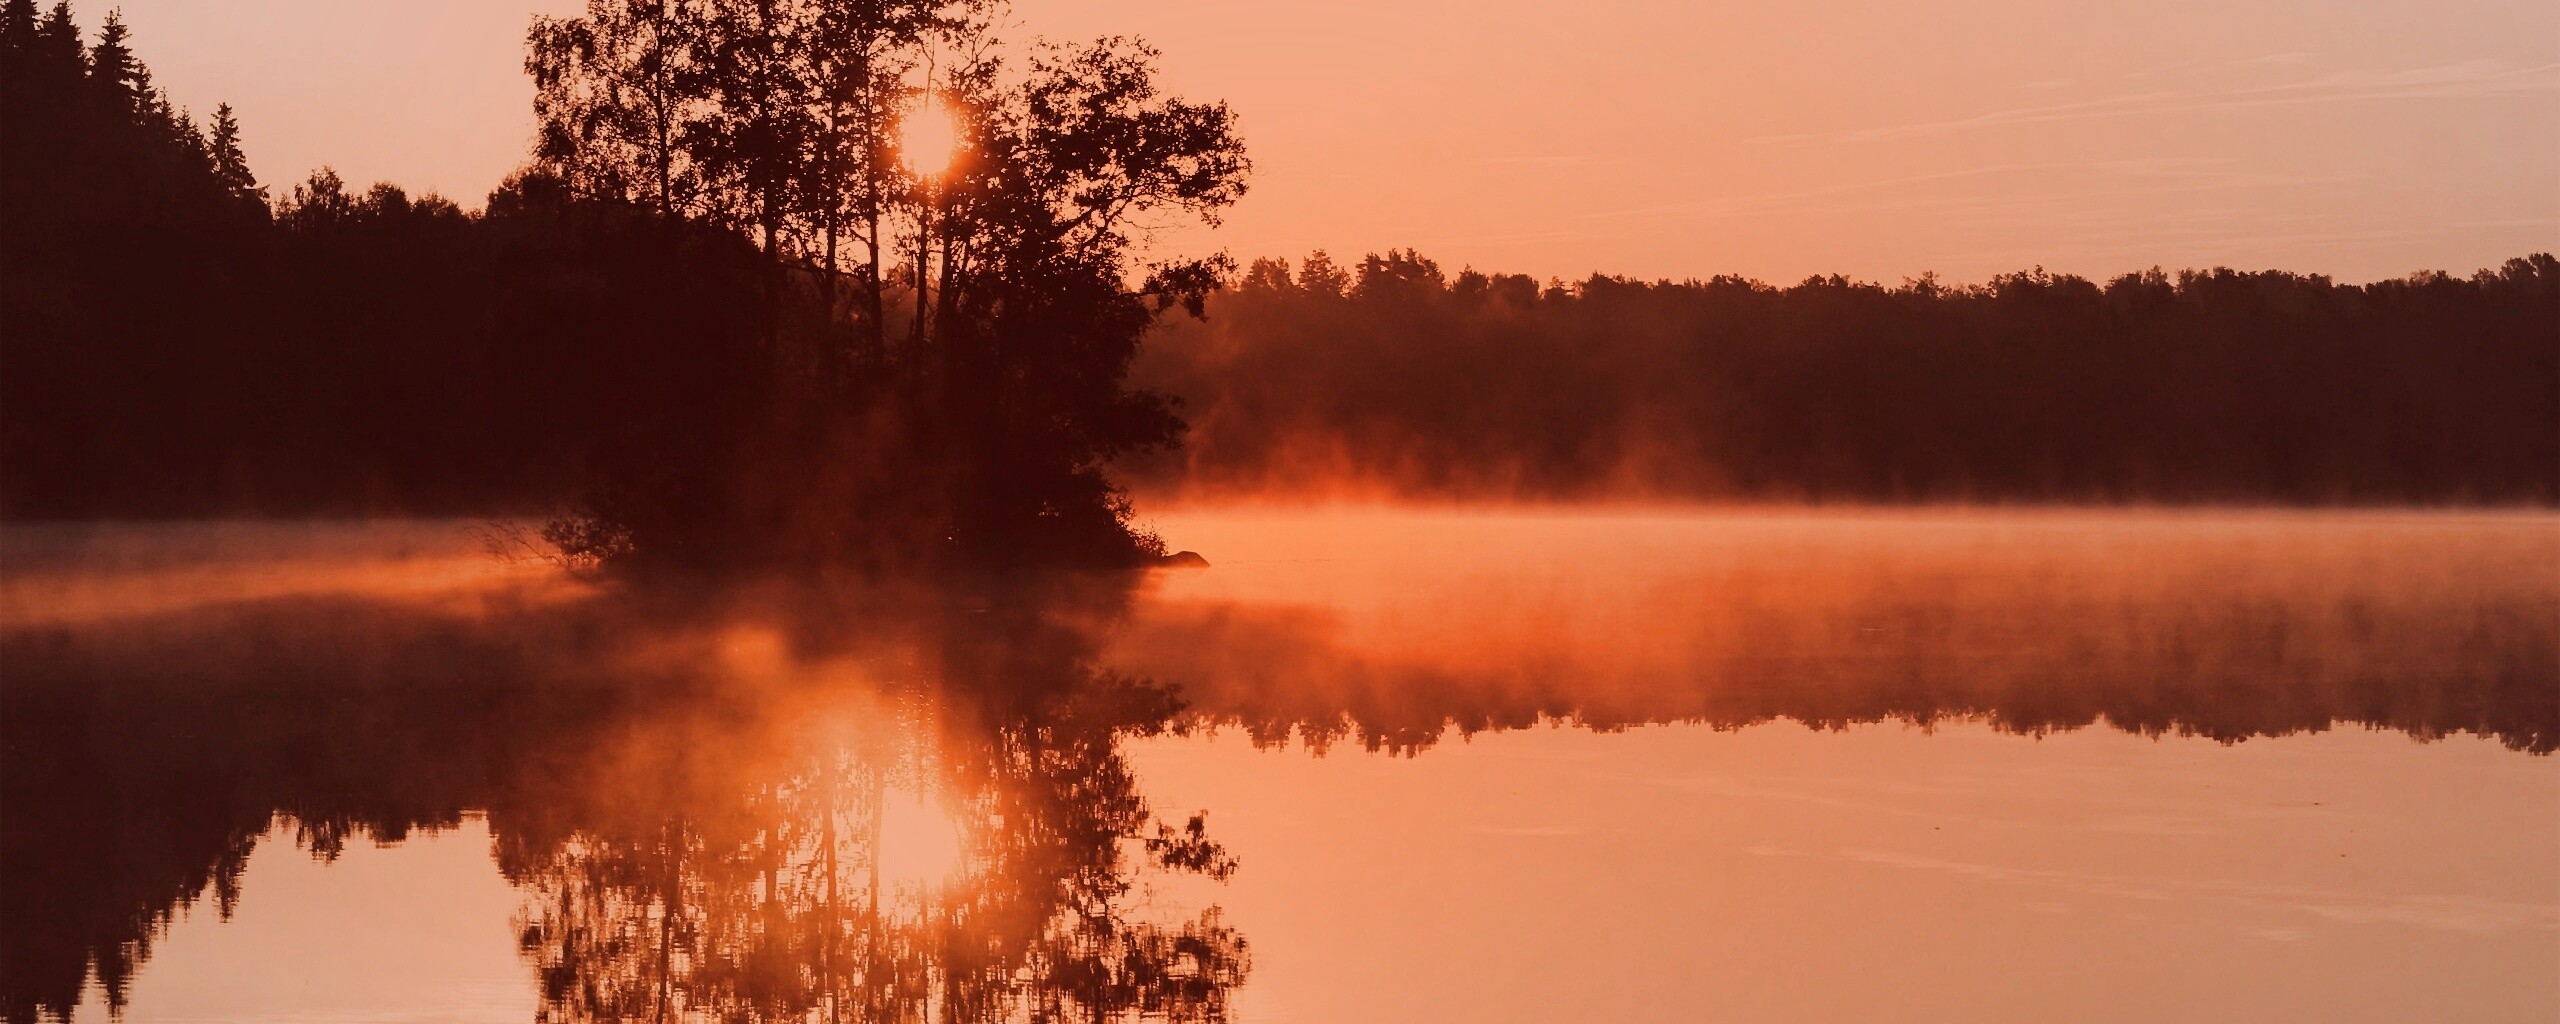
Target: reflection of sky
x=1675 y=873
x=1883 y=873
x=1670 y=872
x=413 y=932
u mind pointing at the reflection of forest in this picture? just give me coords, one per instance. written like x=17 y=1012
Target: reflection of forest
x=2225 y=627
x=694 y=813
x=691 y=791
x=2248 y=672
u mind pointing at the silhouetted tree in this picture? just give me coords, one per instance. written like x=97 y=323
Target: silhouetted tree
x=611 y=102
x=112 y=69
x=2199 y=386
x=982 y=435
x=230 y=165
x=723 y=319
x=121 y=263
x=594 y=334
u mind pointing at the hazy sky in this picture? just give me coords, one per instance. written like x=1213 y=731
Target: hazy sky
x=2362 y=138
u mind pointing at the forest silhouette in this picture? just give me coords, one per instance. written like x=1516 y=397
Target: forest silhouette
x=733 y=314
x=720 y=319
x=1394 y=377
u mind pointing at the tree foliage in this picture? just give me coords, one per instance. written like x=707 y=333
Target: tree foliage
x=717 y=314
x=721 y=321
x=977 y=319
x=2212 y=385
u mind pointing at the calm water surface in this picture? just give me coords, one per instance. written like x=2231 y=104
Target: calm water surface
x=1373 y=765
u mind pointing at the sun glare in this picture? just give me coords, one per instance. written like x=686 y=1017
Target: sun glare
x=931 y=139
x=919 y=842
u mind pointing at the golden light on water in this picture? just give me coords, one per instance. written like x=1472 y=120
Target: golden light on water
x=930 y=139
x=919 y=841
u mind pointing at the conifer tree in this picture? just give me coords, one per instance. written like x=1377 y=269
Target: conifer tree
x=230 y=165
x=57 y=43
x=112 y=67
x=17 y=25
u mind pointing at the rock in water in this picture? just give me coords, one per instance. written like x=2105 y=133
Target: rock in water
x=1182 y=560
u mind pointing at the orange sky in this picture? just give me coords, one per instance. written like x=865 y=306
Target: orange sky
x=2361 y=138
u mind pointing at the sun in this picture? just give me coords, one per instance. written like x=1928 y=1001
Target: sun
x=930 y=139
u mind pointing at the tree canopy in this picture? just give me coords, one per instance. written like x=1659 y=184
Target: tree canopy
x=1393 y=376
x=723 y=317
x=720 y=314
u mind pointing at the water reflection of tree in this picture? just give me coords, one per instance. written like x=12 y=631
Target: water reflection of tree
x=2193 y=642
x=689 y=788
x=763 y=897
x=696 y=835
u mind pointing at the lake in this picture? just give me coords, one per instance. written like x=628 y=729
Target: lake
x=1521 y=764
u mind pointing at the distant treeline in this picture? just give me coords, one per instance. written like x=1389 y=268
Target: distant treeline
x=179 y=342
x=2211 y=385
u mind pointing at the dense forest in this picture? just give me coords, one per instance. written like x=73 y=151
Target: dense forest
x=1393 y=377
x=726 y=314
x=720 y=315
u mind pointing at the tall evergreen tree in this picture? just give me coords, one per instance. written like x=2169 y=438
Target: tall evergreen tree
x=57 y=40
x=230 y=164
x=112 y=67
x=17 y=25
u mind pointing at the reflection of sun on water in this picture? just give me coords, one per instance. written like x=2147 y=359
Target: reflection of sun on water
x=919 y=842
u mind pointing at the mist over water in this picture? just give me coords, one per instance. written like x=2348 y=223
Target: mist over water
x=1382 y=621
x=877 y=622
x=193 y=697
x=1385 y=624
